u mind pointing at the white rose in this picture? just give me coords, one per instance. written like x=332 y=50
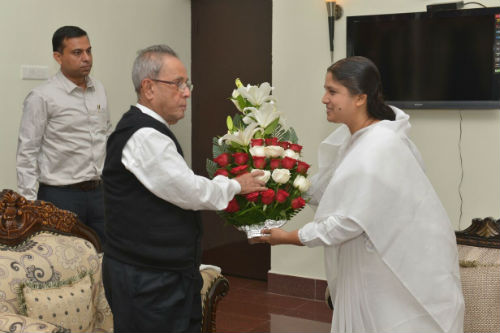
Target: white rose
x=302 y=183
x=274 y=151
x=258 y=151
x=281 y=176
x=292 y=154
x=265 y=177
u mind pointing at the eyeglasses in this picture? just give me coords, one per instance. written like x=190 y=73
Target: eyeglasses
x=181 y=86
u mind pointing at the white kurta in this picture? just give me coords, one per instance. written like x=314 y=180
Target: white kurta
x=386 y=233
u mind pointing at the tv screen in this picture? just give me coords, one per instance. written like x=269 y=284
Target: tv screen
x=427 y=60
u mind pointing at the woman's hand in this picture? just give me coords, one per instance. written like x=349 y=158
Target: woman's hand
x=278 y=236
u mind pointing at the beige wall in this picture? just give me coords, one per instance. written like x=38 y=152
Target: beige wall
x=116 y=28
x=300 y=57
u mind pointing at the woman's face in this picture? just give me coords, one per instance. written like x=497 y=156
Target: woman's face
x=340 y=104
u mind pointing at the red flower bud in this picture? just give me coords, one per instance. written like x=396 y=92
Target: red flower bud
x=257 y=142
x=298 y=203
x=272 y=142
x=222 y=159
x=281 y=196
x=252 y=197
x=302 y=167
x=275 y=163
x=240 y=158
x=295 y=147
x=267 y=197
x=232 y=206
x=284 y=144
x=222 y=172
x=259 y=162
x=239 y=170
x=288 y=162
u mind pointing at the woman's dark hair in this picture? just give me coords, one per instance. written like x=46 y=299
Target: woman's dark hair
x=360 y=76
x=62 y=33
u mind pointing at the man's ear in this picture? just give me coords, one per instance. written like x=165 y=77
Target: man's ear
x=147 y=89
x=57 y=57
x=361 y=99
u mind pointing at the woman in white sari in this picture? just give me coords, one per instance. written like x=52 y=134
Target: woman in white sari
x=379 y=219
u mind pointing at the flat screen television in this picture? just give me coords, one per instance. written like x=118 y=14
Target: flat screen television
x=433 y=60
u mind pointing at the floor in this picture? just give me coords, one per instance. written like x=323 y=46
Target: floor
x=248 y=307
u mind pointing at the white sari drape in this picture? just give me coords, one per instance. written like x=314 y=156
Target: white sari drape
x=400 y=274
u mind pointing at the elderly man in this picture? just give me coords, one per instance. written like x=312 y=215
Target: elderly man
x=63 y=133
x=152 y=256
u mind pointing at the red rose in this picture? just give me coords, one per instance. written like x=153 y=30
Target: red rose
x=232 y=206
x=275 y=163
x=259 y=162
x=302 y=167
x=222 y=172
x=298 y=203
x=252 y=197
x=239 y=169
x=288 y=162
x=240 y=158
x=296 y=147
x=272 y=142
x=267 y=197
x=284 y=144
x=257 y=142
x=222 y=159
x=281 y=196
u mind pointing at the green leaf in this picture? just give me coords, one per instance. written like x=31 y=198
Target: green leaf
x=238 y=121
x=218 y=149
x=272 y=126
x=211 y=168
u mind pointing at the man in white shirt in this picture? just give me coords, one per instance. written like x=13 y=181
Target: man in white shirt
x=153 y=249
x=63 y=133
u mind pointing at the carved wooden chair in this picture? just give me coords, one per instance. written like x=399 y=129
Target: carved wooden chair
x=479 y=255
x=47 y=257
x=479 y=259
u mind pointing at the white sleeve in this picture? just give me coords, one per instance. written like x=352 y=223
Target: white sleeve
x=153 y=158
x=31 y=131
x=331 y=231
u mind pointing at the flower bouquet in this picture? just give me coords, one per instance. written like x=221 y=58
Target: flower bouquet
x=258 y=139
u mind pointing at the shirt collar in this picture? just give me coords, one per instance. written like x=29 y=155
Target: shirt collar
x=151 y=113
x=70 y=85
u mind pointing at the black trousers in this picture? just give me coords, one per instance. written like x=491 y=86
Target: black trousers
x=144 y=300
x=88 y=205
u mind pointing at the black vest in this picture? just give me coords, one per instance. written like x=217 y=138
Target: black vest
x=142 y=229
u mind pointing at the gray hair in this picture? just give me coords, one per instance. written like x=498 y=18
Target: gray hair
x=148 y=63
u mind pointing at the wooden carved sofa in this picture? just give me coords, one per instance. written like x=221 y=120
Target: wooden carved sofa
x=50 y=272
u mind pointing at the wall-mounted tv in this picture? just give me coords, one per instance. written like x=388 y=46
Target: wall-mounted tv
x=433 y=60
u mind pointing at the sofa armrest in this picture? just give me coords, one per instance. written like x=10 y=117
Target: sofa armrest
x=15 y=323
x=215 y=286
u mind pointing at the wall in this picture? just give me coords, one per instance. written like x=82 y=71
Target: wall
x=116 y=28
x=300 y=57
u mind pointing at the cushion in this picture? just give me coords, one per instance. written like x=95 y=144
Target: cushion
x=479 y=272
x=65 y=303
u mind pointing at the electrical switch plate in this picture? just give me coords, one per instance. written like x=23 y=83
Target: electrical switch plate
x=34 y=72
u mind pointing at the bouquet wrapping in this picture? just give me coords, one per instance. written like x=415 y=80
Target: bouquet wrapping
x=257 y=139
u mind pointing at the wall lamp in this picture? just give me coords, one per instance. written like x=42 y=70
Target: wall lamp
x=334 y=13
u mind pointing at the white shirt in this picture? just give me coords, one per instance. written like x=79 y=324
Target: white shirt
x=63 y=133
x=153 y=158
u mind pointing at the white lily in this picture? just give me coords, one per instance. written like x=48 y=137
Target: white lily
x=264 y=115
x=257 y=95
x=241 y=137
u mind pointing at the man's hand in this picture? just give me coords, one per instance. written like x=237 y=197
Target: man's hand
x=249 y=182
